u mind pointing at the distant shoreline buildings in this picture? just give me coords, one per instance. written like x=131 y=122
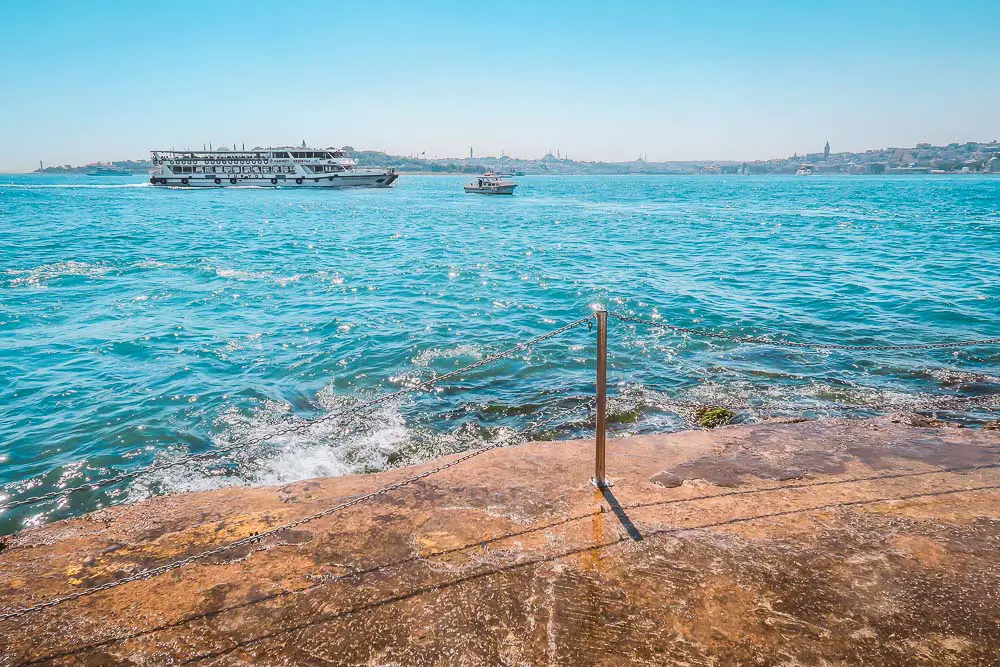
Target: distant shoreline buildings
x=970 y=158
x=956 y=158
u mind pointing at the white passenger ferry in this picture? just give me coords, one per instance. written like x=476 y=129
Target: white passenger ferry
x=267 y=167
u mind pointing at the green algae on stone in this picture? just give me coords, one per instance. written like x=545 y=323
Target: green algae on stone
x=713 y=416
x=623 y=416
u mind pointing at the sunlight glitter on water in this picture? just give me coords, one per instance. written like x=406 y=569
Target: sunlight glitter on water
x=253 y=307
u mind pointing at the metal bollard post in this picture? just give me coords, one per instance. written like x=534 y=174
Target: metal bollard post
x=600 y=479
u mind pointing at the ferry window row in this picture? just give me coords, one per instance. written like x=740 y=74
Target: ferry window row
x=309 y=154
x=254 y=169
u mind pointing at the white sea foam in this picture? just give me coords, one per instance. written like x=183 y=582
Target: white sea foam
x=819 y=398
x=326 y=449
x=231 y=273
x=40 y=275
x=634 y=403
x=283 y=281
x=954 y=376
x=237 y=274
x=239 y=344
x=154 y=264
x=332 y=278
x=428 y=357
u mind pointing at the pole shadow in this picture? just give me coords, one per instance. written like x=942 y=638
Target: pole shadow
x=619 y=511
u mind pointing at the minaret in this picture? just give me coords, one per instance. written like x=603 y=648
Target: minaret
x=826 y=152
x=470 y=152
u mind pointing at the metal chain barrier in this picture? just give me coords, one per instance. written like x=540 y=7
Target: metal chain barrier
x=298 y=428
x=924 y=403
x=253 y=539
x=929 y=403
x=761 y=340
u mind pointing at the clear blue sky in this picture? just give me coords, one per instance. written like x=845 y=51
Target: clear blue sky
x=600 y=80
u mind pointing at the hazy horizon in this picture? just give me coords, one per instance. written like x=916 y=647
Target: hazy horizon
x=676 y=82
x=249 y=146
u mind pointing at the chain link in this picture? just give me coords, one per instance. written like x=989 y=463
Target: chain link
x=761 y=340
x=298 y=428
x=253 y=539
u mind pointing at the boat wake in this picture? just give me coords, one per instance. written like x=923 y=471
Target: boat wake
x=72 y=186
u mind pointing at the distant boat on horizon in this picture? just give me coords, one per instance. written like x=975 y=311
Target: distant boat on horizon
x=505 y=172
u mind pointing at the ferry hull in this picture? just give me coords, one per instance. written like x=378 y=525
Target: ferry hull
x=375 y=180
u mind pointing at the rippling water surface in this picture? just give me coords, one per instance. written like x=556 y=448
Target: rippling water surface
x=139 y=324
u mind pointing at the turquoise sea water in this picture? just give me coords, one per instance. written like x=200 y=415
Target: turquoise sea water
x=139 y=324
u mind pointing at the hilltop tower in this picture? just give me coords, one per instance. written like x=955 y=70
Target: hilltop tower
x=826 y=152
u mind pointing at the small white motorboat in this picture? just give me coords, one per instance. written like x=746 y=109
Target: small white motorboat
x=491 y=184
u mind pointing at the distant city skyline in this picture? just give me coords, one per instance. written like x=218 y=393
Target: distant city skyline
x=725 y=81
x=964 y=158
